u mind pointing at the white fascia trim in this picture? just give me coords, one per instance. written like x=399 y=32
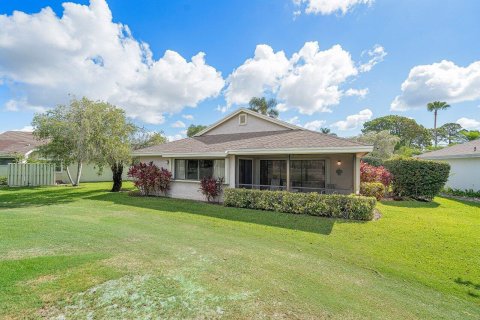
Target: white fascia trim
x=457 y=156
x=253 y=113
x=303 y=150
x=206 y=155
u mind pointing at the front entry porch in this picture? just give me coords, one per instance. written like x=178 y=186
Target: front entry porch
x=330 y=173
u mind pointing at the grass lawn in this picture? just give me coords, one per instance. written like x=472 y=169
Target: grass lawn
x=83 y=252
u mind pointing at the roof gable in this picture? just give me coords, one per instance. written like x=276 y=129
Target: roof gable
x=255 y=122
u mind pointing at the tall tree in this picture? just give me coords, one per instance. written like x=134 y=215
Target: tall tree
x=471 y=135
x=325 y=130
x=145 y=139
x=450 y=133
x=383 y=143
x=435 y=106
x=112 y=135
x=411 y=134
x=194 y=129
x=264 y=106
x=67 y=133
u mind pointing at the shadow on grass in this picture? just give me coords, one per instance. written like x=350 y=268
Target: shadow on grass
x=474 y=288
x=43 y=196
x=466 y=202
x=320 y=225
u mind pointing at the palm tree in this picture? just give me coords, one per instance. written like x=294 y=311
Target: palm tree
x=264 y=106
x=325 y=130
x=435 y=106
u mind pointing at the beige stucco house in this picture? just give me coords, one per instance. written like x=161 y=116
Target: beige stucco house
x=250 y=150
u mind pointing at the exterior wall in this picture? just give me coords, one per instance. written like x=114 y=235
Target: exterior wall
x=464 y=174
x=89 y=174
x=254 y=124
x=3 y=171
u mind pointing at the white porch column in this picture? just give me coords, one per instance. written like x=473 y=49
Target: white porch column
x=231 y=171
x=288 y=173
x=356 y=177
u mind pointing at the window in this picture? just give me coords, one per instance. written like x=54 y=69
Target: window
x=242 y=119
x=307 y=173
x=5 y=161
x=198 y=169
x=273 y=172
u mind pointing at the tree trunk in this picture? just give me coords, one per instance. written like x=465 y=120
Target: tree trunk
x=117 y=170
x=79 y=173
x=435 y=127
x=69 y=176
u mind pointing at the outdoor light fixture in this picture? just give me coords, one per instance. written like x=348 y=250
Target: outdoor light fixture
x=339 y=162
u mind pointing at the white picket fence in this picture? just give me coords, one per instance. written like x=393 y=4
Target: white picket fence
x=31 y=174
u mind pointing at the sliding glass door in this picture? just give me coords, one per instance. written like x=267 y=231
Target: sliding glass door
x=273 y=174
x=307 y=175
x=245 y=173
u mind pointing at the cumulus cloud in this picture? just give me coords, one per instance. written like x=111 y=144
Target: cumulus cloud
x=309 y=81
x=44 y=57
x=178 y=124
x=376 y=55
x=187 y=116
x=357 y=92
x=326 y=7
x=444 y=81
x=314 y=125
x=354 y=121
x=469 y=124
x=256 y=75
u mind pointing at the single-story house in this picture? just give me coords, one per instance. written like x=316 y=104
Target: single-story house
x=20 y=144
x=250 y=150
x=464 y=160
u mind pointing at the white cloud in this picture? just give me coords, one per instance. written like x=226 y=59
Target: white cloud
x=178 y=124
x=469 y=124
x=175 y=137
x=326 y=7
x=354 y=121
x=256 y=75
x=45 y=57
x=293 y=120
x=314 y=125
x=187 y=116
x=26 y=129
x=357 y=92
x=376 y=55
x=444 y=81
x=310 y=81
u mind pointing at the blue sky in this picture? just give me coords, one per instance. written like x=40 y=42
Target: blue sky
x=42 y=59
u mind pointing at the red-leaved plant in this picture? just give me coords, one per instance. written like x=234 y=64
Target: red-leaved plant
x=369 y=173
x=150 y=179
x=211 y=188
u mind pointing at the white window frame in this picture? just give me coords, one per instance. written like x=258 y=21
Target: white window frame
x=240 y=119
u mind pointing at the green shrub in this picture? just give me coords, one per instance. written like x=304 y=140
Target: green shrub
x=372 y=189
x=418 y=179
x=3 y=181
x=373 y=161
x=470 y=193
x=315 y=204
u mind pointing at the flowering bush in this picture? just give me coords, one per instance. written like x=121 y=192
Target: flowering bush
x=369 y=173
x=150 y=179
x=211 y=188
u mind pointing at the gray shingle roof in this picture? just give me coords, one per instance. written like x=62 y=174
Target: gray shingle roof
x=12 y=142
x=465 y=150
x=284 y=139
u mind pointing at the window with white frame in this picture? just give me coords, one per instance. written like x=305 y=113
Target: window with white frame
x=193 y=169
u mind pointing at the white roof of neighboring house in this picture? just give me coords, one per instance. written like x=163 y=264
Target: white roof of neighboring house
x=465 y=150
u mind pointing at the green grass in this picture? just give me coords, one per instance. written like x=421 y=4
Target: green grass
x=83 y=252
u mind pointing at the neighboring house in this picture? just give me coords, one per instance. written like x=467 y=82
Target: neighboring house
x=251 y=150
x=19 y=145
x=464 y=160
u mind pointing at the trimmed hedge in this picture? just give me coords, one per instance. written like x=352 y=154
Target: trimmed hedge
x=418 y=179
x=3 y=181
x=315 y=204
x=373 y=189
